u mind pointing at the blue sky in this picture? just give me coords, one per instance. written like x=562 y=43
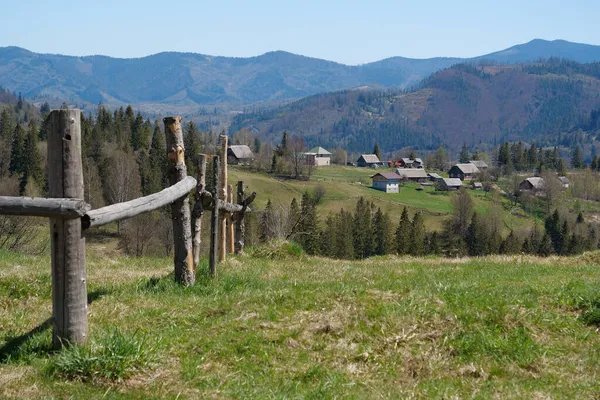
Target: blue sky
x=351 y=32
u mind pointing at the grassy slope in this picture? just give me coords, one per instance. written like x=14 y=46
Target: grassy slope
x=317 y=328
x=343 y=191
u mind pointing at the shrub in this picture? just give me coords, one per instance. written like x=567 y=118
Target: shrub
x=115 y=357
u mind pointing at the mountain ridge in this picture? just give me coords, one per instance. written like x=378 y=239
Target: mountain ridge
x=200 y=79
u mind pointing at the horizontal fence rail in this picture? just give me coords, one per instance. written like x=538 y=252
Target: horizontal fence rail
x=128 y=209
x=38 y=207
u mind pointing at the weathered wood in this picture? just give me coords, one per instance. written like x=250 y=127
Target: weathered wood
x=240 y=225
x=38 y=207
x=180 y=209
x=208 y=204
x=214 y=222
x=65 y=180
x=230 y=244
x=128 y=209
x=198 y=208
x=223 y=198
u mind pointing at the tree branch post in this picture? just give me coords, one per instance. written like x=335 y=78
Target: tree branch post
x=65 y=180
x=230 y=246
x=214 y=221
x=223 y=198
x=198 y=208
x=180 y=209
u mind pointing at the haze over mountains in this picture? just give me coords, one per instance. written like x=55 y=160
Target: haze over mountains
x=196 y=79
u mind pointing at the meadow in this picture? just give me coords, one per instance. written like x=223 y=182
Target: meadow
x=278 y=324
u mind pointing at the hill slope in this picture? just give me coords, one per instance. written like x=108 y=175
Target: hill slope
x=189 y=79
x=462 y=104
x=303 y=327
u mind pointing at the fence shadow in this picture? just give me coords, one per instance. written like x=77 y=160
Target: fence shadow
x=16 y=346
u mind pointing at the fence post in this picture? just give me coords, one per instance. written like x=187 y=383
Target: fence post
x=230 y=247
x=223 y=198
x=240 y=225
x=198 y=208
x=65 y=179
x=180 y=209
x=214 y=220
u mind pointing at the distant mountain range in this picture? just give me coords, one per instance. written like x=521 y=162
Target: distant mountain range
x=196 y=79
x=549 y=102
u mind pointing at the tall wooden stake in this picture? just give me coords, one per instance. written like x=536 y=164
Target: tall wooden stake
x=180 y=209
x=214 y=221
x=198 y=209
x=65 y=179
x=223 y=198
x=240 y=226
x=230 y=246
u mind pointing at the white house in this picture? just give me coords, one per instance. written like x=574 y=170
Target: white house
x=388 y=182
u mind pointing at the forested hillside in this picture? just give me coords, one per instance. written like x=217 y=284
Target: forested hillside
x=550 y=102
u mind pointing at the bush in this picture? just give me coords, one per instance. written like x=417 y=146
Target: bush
x=278 y=250
x=115 y=357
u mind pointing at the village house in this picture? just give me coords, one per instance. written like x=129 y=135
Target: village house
x=368 y=160
x=449 y=184
x=434 y=177
x=476 y=185
x=564 y=181
x=388 y=182
x=410 y=163
x=318 y=156
x=532 y=184
x=412 y=174
x=480 y=164
x=239 y=155
x=463 y=171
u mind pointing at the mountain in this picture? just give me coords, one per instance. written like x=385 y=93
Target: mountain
x=194 y=79
x=461 y=104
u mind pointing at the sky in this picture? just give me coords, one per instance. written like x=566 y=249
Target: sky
x=349 y=32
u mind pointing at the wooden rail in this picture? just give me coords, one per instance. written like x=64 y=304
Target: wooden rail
x=128 y=209
x=38 y=207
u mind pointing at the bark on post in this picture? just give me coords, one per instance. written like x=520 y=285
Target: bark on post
x=180 y=209
x=198 y=208
x=223 y=198
x=65 y=180
x=214 y=221
x=240 y=225
x=230 y=246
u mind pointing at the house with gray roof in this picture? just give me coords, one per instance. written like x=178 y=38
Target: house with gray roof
x=318 y=156
x=464 y=171
x=480 y=164
x=449 y=184
x=368 y=160
x=388 y=182
x=239 y=155
x=532 y=184
x=412 y=174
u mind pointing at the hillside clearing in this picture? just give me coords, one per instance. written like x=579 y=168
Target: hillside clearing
x=318 y=328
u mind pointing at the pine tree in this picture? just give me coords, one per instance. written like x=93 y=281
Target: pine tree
x=577 y=158
x=403 y=233
x=362 y=232
x=266 y=220
x=376 y=151
x=545 y=246
x=381 y=232
x=307 y=228
x=560 y=167
x=417 y=239
x=345 y=239
x=17 y=151
x=475 y=238
x=158 y=164
x=32 y=160
x=293 y=218
x=433 y=243
x=283 y=149
x=532 y=156
x=594 y=165
x=511 y=244
x=464 y=156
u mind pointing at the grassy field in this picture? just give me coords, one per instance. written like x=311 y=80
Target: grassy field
x=344 y=185
x=281 y=325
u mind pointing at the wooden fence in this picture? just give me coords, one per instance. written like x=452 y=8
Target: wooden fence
x=70 y=217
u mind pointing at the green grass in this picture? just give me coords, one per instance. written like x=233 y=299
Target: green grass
x=279 y=324
x=344 y=185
